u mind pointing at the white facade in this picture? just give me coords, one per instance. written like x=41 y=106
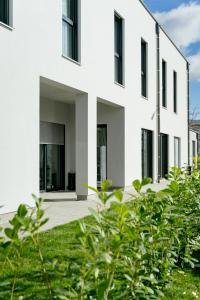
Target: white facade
x=37 y=83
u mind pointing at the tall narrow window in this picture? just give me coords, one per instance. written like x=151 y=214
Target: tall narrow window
x=4 y=11
x=70 y=28
x=144 y=68
x=177 y=152
x=147 y=153
x=193 y=148
x=118 y=49
x=164 y=83
x=175 y=91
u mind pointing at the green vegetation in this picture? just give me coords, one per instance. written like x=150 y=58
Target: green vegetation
x=143 y=249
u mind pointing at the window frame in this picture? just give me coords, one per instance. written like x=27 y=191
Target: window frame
x=74 y=24
x=144 y=75
x=175 y=92
x=119 y=54
x=179 y=151
x=164 y=84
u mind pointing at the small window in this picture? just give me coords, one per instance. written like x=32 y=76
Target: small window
x=194 y=148
x=70 y=28
x=118 y=55
x=175 y=91
x=4 y=11
x=164 y=83
x=177 y=152
x=144 y=50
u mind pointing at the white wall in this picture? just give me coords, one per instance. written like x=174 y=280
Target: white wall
x=33 y=48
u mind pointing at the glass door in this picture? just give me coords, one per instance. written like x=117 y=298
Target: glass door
x=147 y=153
x=101 y=154
x=52 y=164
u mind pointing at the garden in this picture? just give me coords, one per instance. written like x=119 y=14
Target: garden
x=145 y=248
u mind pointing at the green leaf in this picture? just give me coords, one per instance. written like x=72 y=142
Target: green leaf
x=9 y=233
x=119 y=195
x=105 y=185
x=146 y=180
x=91 y=188
x=137 y=185
x=22 y=211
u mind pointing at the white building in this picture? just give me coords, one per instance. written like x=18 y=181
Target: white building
x=81 y=78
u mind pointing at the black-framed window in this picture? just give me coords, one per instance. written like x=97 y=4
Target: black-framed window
x=118 y=55
x=147 y=153
x=164 y=83
x=70 y=28
x=4 y=11
x=177 y=152
x=175 y=90
x=194 y=148
x=144 y=68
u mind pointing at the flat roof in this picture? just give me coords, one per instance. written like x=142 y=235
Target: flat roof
x=151 y=14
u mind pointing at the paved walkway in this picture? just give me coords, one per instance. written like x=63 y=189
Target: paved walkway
x=60 y=208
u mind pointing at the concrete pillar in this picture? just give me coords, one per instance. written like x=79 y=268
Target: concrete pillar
x=86 y=144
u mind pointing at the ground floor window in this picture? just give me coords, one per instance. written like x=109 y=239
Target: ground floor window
x=164 y=155
x=101 y=153
x=4 y=11
x=147 y=153
x=193 y=148
x=177 y=152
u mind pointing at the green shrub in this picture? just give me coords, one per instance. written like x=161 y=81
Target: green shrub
x=130 y=249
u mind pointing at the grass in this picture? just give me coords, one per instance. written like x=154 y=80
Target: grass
x=61 y=246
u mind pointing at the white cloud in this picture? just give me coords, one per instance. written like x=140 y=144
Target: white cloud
x=195 y=67
x=183 y=26
x=182 y=23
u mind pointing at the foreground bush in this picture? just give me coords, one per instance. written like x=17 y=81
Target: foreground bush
x=129 y=250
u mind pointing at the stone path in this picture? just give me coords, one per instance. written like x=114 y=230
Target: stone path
x=62 y=208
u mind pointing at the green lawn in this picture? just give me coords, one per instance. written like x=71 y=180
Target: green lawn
x=60 y=244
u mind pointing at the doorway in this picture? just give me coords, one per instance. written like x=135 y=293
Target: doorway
x=101 y=154
x=164 y=155
x=52 y=157
x=147 y=153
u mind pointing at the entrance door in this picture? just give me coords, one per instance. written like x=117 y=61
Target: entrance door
x=52 y=163
x=101 y=154
x=52 y=157
x=147 y=153
x=164 y=155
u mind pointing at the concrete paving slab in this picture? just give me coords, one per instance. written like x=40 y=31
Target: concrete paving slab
x=64 y=211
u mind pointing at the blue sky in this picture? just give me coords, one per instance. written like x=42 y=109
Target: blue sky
x=178 y=12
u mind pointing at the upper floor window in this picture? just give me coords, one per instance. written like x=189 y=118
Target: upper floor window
x=118 y=49
x=4 y=11
x=175 y=90
x=144 y=53
x=70 y=28
x=164 y=83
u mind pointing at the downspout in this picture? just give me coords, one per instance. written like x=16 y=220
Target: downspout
x=188 y=109
x=158 y=103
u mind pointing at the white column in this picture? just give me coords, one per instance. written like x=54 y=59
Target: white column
x=86 y=144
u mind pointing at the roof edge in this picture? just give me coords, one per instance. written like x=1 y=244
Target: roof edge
x=151 y=14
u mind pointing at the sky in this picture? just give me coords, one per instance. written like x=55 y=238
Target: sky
x=181 y=20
